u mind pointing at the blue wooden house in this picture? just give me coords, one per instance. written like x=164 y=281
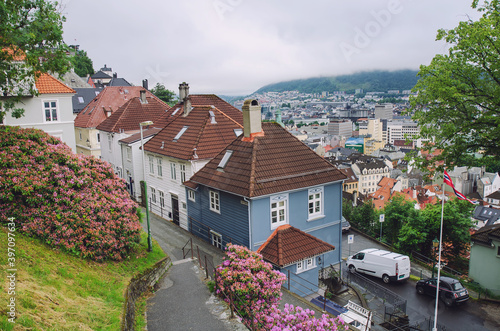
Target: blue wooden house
x=264 y=179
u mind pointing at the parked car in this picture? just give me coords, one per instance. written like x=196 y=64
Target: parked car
x=345 y=225
x=380 y=263
x=451 y=291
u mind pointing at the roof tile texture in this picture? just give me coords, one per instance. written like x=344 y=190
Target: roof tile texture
x=204 y=138
x=275 y=162
x=287 y=245
x=111 y=98
x=46 y=84
x=128 y=116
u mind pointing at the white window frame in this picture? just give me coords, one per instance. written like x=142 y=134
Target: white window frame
x=173 y=171
x=159 y=167
x=306 y=264
x=129 y=153
x=182 y=172
x=279 y=210
x=98 y=136
x=151 y=165
x=192 y=195
x=51 y=109
x=315 y=196
x=214 y=201
x=153 y=195
x=216 y=239
x=161 y=195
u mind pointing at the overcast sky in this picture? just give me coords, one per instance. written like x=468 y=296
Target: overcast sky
x=234 y=47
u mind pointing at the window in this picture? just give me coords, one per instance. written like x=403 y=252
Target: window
x=153 y=195
x=315 y=202
x=151 y=165
x=278 y=210
x=191 y=195
x=173 y=173
x=306 y=264
x=498 y=250
x=80 y=134
x=50 y=108
x=80 y=100
x=216 y=239
x=162 y=198
x=109 y=142
x=214 y=201
x=98 y=137
x=183 y=172
x=129 y=153
x=178 y=136
x=159 y=167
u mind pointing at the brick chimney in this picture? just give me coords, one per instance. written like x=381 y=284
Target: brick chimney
x=252 y=125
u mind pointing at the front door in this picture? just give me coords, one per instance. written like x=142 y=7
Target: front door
x=131 y=183
x=175 y=209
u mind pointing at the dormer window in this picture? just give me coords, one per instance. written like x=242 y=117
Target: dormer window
x=238 y=132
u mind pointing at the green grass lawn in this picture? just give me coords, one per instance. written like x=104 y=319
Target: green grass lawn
x=56 y=291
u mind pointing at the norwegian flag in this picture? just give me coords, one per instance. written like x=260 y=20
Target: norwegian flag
x=447 y=180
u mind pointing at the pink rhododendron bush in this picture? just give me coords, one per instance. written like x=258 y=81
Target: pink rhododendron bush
x=254 y=288
x=70 y=201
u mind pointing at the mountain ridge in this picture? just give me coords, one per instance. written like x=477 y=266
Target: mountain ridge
x=369 y=81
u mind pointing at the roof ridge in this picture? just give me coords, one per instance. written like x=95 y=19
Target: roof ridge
x=226 y=115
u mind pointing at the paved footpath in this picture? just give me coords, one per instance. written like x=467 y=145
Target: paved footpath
x=182 y=300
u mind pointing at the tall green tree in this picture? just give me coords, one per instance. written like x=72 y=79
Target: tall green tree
x=31 y=43
x=458 y=101
x=82 y=64
x=397 y=212
x=164 y=94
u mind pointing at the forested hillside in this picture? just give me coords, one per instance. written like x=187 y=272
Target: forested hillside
x=372 y=81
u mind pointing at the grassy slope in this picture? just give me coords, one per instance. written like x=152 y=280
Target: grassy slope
x=56 y=291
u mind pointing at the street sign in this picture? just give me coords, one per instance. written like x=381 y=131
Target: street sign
x=350 y=239
x=382 y=218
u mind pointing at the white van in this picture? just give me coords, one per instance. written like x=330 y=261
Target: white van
x=387 y=265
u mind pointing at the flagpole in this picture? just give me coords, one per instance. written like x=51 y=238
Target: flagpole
x=439 y=260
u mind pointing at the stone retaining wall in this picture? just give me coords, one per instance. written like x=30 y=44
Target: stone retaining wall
x=137 y=286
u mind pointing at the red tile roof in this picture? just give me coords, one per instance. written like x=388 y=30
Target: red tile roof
x=288 y=245
x=111 y=98
x=351 y=176
x=203 y=138
x=46 y=84
x=128 y=116
x=275 y=162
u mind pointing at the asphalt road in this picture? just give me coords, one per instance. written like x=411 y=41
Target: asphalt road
x=470 y=316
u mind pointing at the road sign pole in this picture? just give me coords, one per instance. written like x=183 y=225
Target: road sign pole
x=381 y=219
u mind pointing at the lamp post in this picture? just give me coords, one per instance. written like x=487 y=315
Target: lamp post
x=150 y=243
x=435 y=244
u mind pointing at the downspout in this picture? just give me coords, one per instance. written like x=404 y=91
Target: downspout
x=340 y=225
x=249 y=223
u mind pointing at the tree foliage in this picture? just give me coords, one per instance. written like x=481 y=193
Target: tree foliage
x=458 y=102
x=164 y=94
x=82 y=64
x=31 y=43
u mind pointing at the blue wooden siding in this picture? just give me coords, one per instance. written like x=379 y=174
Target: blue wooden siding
x=231 y=222
x=326 y=228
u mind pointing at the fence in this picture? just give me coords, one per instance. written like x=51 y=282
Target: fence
x=431 y=263
x=398 y=302
x=160 y=209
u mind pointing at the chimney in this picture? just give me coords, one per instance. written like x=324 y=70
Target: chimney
x=355 y=198
x=184 y=98
x=115 y=75
x=143 y=97
x=183 y=91
x=252 y=125
x=145 y=84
